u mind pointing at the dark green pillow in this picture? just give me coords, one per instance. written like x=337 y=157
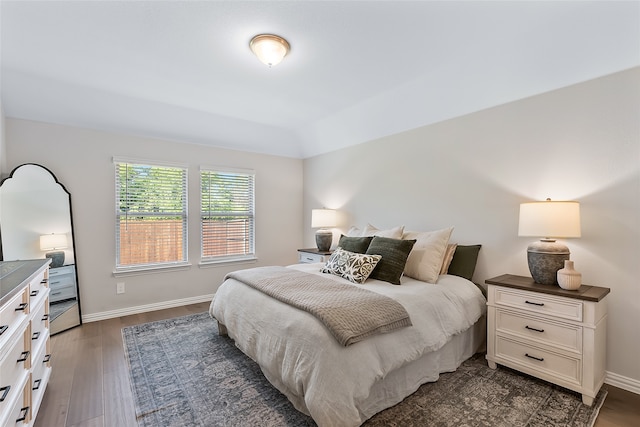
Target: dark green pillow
x=358 y=245
x=394 y=257
x=464 y=261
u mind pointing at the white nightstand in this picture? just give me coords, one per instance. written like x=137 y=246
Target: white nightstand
x=548 y=332
x=313 y=255
x=62 y=281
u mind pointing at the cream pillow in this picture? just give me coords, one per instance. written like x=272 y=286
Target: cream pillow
x=392 y=233
x=425 y=260
x=448 y=256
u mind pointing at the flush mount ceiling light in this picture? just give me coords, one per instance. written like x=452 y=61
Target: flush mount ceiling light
x=269 y=48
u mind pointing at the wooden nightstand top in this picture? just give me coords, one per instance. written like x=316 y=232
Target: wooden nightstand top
x=585 y=292
x=315 y=251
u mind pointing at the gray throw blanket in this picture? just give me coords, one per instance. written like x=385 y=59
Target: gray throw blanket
x=349 y=312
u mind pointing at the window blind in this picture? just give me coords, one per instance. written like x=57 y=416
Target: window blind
x=151 y=215
x=227 y=212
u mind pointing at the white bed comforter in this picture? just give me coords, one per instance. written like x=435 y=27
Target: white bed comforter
x=301 y=358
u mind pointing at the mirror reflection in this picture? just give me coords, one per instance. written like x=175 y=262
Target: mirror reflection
x=36 y=222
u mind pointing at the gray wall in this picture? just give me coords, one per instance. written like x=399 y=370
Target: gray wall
x=82 y=160
x=578 y=143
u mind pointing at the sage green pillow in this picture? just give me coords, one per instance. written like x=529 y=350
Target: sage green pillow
x=394 y=257
x=357 y=245
x=464 y=261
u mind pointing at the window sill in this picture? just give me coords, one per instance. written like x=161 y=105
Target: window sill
x=150 y=269
x=227 y=261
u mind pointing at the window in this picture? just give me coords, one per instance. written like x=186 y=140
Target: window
x=151 y=215
x=227 y=211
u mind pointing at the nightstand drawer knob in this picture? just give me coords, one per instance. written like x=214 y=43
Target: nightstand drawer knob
x=539 y=359
x=534 y=329
x=539 y=304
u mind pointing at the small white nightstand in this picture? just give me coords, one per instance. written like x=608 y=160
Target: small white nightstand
x=313 y=255
x=548 y=332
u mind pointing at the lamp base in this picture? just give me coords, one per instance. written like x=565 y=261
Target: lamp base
x=545 y=258
x=324 y=238
x=57 y=258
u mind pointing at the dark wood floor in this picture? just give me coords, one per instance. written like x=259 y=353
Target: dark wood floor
x=89 y=384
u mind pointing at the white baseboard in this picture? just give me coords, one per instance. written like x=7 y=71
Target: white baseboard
x=622 y=382
x=94 y=317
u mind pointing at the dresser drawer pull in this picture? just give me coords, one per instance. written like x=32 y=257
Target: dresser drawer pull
x=45 y=317
x=5 y=392
x=539 y=304
x=22 y=307
x=47 y=358
x=23 y=356
x=44 y=281
x=55 y=283
x=35 y=335
x=534 y=329
x=3 y=328
x=34 y=293
x=539 y=359
x=56 y=293
x=36 y=384
x=23 y=414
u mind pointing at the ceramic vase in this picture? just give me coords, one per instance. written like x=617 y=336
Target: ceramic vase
x=568 y=277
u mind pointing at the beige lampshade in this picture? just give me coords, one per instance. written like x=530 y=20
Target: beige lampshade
x=321 y=218
x=53 y=241
x=549 y=219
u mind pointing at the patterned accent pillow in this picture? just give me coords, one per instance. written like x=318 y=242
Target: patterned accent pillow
x=352 y=266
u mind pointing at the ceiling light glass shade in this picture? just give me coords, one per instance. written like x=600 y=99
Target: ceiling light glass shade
x=269 y=48
x=549 y=219
x=53 y=241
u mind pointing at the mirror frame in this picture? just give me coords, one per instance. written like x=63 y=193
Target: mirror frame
x=73 y=237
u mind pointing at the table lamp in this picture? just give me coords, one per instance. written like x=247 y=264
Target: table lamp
x=550 y=220
x=323 y=219
x=51 y=242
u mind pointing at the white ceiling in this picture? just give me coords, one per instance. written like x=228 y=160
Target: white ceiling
x=357 y=70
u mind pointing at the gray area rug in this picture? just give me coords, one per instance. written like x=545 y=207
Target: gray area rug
x=184 y=374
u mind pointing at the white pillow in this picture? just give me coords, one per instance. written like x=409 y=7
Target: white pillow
x=392 y=233
x=448 y=256
x=354 y=232
x=425 y=260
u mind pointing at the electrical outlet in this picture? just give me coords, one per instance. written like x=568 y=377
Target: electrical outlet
x=120 y=288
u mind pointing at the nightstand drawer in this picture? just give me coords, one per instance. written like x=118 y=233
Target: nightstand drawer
x=61 y=293
x=550 y=305
x=552 y=364
x=312 y=255
x=563 y=336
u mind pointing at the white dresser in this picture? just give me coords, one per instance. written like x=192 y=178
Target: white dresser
x=548 y=332
x=24 y=340
x=62 y=281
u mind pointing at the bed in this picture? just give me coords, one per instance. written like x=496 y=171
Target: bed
x=341 y=385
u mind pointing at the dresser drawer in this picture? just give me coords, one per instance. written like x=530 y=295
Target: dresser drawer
x=563 y=336
x=39 y=329
x=20 y=412
x=12 y=316
x=13 y=370
x=62 y=293
x=41 y=371
x=565 y=308
x=38 y=285
x=552 y=364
